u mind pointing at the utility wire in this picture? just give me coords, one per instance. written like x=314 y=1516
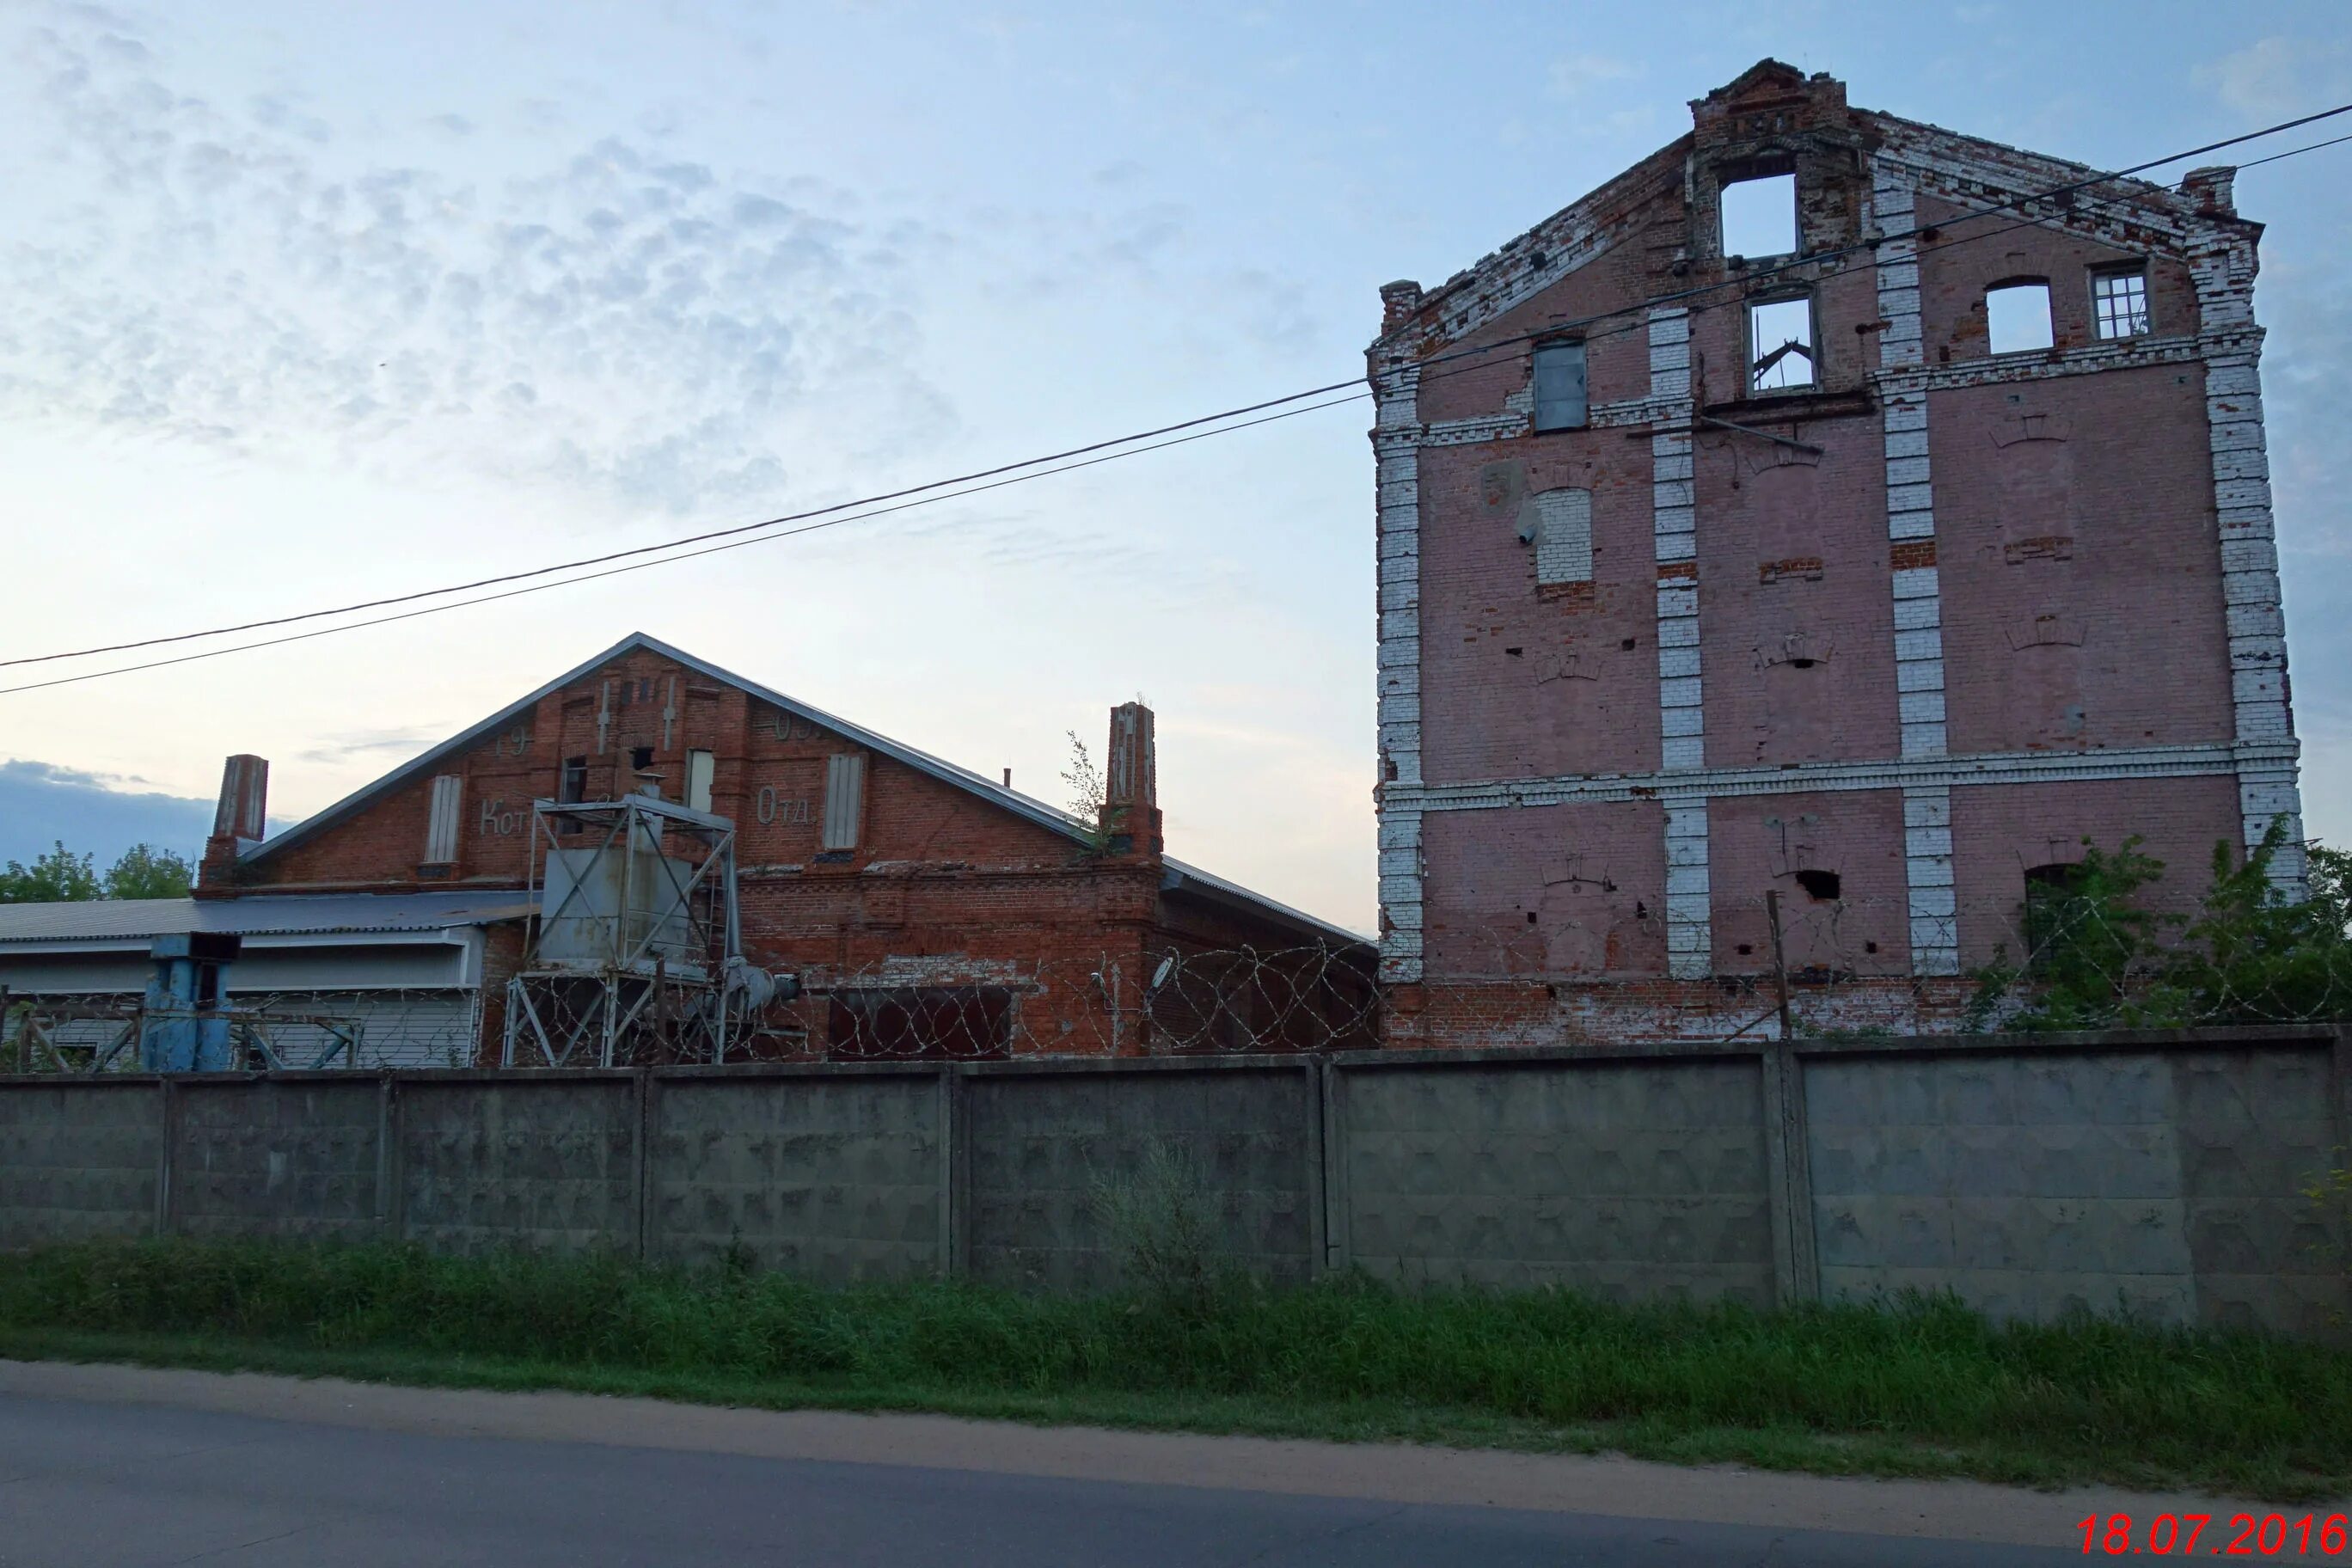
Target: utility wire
x=1356 y=396
x=1638 y=313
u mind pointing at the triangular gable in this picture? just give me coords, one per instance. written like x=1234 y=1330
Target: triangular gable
x=1179 y=874
x=1036 y=811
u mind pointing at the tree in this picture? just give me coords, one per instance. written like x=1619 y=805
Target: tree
x=63 y=877
x=2247 y=955
x=1088 y=791
x=147 y=872
x=57 y=877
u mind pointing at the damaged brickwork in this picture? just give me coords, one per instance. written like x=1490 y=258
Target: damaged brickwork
x=1817 y=598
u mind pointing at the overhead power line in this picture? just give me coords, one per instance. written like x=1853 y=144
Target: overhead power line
x=1133 y=445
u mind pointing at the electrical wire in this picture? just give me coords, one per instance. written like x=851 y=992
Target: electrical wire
x=775 y=527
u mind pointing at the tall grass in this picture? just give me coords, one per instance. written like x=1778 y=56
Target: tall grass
x=2089 y=1396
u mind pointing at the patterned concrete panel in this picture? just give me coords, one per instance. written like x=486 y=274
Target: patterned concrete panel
x=287 y=1160
x=78 y=1161
x=1040 y=1145
x=837 y=1178
x=2255 y=1131
x=1625 y=1180
x=2029 y=1186
x=547 y=1165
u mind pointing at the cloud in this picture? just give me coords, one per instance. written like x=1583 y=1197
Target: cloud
x=655 y=331
x=1573 y=76
x=2278 y=78
x=412 y=738
x=42 y=803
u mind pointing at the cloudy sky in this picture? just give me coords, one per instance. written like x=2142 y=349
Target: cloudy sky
x=311 y=303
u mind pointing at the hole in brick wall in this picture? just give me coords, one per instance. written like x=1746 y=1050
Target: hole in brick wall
x=1780 y=344
x=1820 y=886
x=2017 y=316
x=641 y=757
x=1514 y=652
x=1531 y=917
x=1870 y=947
x=1746 y=948
x=1760 y=217
x=1627 y=644
x=1800 y=664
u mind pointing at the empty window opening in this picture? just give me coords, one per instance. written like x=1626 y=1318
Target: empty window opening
x=2119 y=302
x=1563 y=537
x=1822 y=887
x=641 y=758
x=1760 y=217
x=2017 y=317
x=1559 y=386
x=1531 y=917
x=1780 y=344
x=573 y=786
x=2054 y=905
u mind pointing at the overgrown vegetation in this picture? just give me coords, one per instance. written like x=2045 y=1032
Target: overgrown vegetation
x=1922 y=1386
x=2100 y=955
x=1088 y=791
x=1161 y=1222
x=61 y=876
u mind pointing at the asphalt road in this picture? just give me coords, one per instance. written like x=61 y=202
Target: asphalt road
x=91 y=1483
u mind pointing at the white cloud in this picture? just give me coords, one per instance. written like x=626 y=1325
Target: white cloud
x=2279 y=77
x=652 y=331
x=1573 y=76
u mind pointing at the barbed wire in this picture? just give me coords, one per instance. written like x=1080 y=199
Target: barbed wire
x=1590 y=966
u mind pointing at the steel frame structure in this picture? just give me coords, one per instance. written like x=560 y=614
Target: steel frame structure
x=647 y=999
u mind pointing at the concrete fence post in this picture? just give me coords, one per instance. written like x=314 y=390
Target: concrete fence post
x=1796 y=1269
x=384 y=1092
x=393 y=1165
x=955 y=1193
x=644 y=1090
x=1318 y=1218
x=1332 y=1104
x=166 y=1155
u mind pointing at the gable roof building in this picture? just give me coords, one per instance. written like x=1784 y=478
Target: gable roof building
x=922 y=908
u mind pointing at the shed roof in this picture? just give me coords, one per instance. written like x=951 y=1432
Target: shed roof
x=130 y=920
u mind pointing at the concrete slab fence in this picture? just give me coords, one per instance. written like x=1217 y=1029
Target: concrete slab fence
x=2161 y=1173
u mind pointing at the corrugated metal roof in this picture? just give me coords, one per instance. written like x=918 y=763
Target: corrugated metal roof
x=981 y=784
x=111 y=920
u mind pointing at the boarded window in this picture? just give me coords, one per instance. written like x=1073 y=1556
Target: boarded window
x=441 y=820
x=1559 y=386
x=1563 y=537
x=2017 y=317
x=929 y=1023
x=845 y=799
x=1760 y=217
x=2120 y=301
x=1780 y=344
x=700 y=768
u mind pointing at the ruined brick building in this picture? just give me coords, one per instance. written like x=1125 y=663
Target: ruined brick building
x=1875 y=564
x=926 y=910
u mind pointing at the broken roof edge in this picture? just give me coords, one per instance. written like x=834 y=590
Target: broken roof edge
x=1051 y=818
x=1425 y=326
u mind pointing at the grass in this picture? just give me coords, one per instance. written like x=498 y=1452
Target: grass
x=1918 y=1387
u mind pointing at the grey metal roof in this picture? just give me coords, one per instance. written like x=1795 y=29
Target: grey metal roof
x=112 y=920
x=981 y=784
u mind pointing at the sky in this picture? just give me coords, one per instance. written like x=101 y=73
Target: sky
x=305 y=304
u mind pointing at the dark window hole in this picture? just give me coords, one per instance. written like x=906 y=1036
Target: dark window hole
x=1820 y=886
